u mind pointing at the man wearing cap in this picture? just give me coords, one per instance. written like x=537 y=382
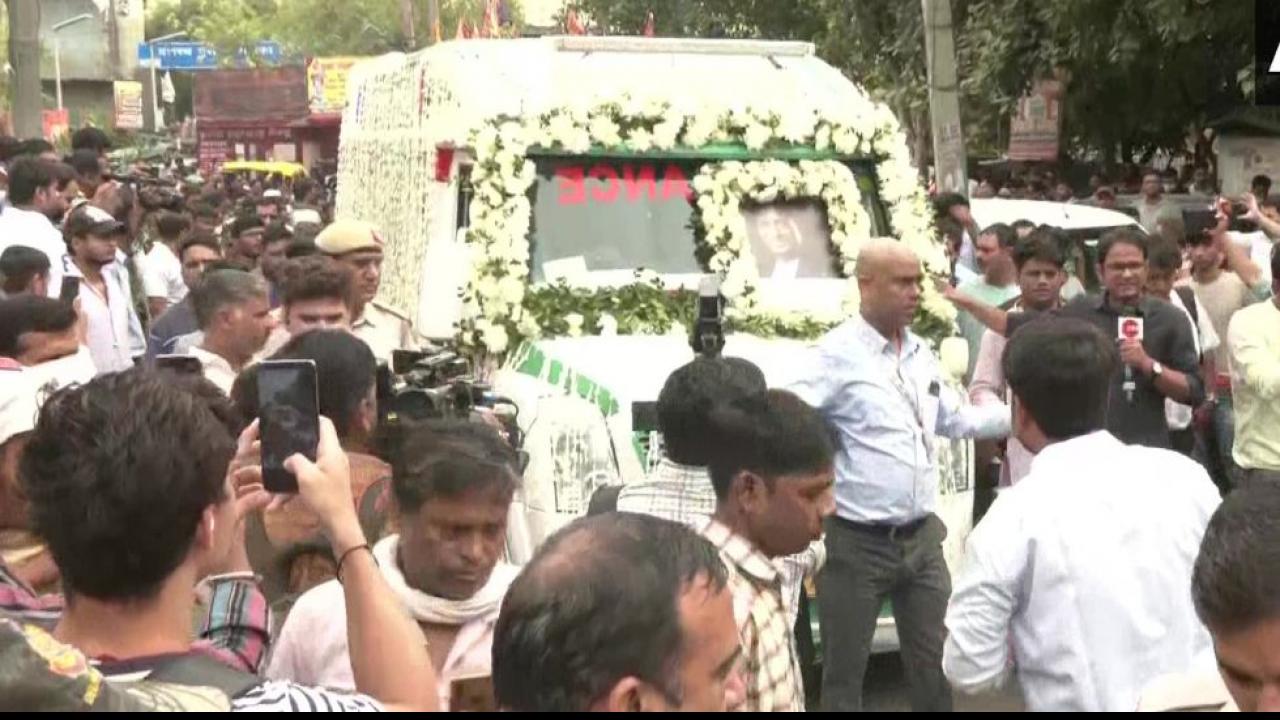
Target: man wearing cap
x=92 y=235
x=247 y=233
x=358 y=245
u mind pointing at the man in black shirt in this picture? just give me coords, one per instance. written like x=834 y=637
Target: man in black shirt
x=1162 y=364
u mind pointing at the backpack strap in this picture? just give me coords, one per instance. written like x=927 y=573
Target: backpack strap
x=1188 y=297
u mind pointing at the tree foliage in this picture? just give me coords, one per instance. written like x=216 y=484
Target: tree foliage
x=1141 y=73
x=309 y=27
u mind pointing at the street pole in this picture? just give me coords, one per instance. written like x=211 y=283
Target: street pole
x=433 y=18
x=154 y=62
x=949 y=157
x=57 y=69
x=57 y=51
x=406 y=24
x=24 y=44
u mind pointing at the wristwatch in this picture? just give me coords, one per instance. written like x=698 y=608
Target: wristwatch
x=1156 y=369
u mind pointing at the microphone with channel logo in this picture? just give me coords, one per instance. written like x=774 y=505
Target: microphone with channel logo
x=1129 y=327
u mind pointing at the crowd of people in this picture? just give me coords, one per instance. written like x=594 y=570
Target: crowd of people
x=1108 y=574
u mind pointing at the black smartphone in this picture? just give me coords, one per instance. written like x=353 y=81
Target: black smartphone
x=289 y=419
x=70 y=289
x=183 y=364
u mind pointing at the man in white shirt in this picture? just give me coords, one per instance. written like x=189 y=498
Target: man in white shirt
x=235 y=318
x=453 y=485
x=1236 y=588
x=162 y=279
x=104 y=297
x=1164 y=261
x=1078 y=578
x=35 y=203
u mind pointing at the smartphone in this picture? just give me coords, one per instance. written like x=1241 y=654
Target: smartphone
x=70 y=289
x=289 y=419
x=182 y=364
x=472 y=695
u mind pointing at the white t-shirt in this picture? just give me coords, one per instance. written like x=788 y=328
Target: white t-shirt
x=162 y=276
x=108 y=319
x=28 y=228
x=1179 y=416
x=1259 y=250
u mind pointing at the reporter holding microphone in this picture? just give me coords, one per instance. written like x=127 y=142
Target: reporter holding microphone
x=1158 y=353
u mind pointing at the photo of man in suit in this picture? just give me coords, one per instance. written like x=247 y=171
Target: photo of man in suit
x=790 y=240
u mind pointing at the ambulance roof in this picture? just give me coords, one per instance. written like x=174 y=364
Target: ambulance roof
x=473 y=79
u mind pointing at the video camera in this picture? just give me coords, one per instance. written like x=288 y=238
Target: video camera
x=708 y=329
x=439 y=384
x=706 y=338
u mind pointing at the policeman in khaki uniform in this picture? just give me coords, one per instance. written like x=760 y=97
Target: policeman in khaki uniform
x=358 y=245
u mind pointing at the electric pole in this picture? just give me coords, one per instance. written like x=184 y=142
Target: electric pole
x=949 y=158
x=433 y=20
x=24 y=55
x=406 y=24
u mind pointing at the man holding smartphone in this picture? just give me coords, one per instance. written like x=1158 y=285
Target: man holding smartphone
x=180 y=488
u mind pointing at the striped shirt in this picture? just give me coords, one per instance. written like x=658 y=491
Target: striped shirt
x=771 y=666
x=236 y=629
x=683 y=494
x=283 y=696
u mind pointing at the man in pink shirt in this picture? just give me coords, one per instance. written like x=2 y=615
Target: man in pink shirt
x=1039 y=259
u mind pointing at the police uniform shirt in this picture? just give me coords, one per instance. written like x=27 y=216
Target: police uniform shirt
x=384 y=331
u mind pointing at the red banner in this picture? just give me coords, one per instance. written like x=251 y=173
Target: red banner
x=56 y=124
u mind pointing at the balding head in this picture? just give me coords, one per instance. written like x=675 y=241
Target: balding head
x=889 y=278
x=575 y=634
x=879 y=254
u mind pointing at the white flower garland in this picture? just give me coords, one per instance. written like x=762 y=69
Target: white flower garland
x=500 y=211
x=721 y=189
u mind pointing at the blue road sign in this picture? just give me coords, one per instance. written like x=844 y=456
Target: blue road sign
x=199 y=56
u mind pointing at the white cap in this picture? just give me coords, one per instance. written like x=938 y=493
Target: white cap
x=307 y=215
x=271 y=194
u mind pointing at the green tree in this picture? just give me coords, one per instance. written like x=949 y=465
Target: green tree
x=308 y=27
x=1142 y=75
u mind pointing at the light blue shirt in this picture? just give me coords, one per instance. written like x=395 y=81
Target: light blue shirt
x=888 y=408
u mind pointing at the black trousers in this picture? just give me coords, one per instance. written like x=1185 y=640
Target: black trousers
x=864 y=567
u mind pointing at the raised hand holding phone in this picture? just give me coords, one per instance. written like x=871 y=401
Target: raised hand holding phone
x=289 y=414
